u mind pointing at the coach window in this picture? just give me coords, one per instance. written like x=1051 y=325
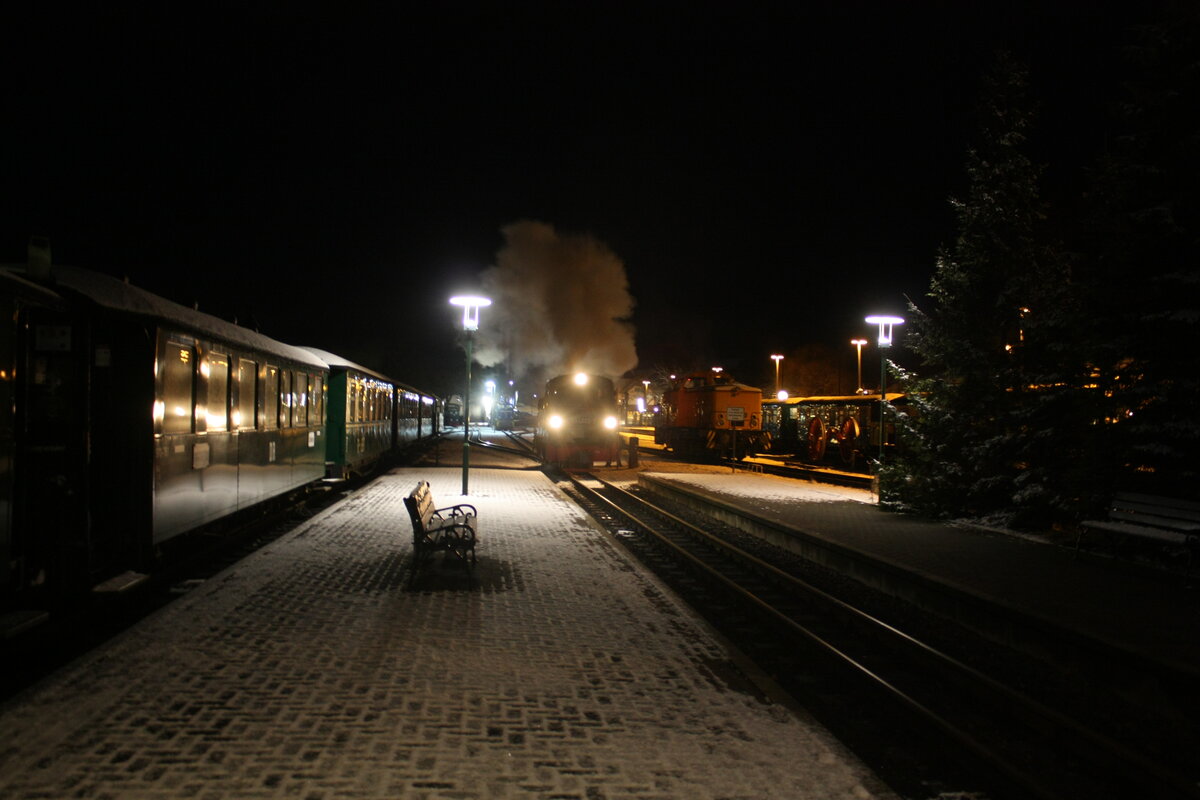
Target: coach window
x=316 y=401
x=178 y=393
x=218 y=392
x=286 y=398
x=300 y=409
x=247 y=381
x=269 y=408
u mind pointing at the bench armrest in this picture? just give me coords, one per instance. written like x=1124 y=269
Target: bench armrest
x=456 y=511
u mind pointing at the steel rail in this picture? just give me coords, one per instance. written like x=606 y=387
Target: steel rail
x=1032 y=710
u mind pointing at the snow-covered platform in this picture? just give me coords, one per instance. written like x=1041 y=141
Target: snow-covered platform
x=1151 y=612
x=311 y=670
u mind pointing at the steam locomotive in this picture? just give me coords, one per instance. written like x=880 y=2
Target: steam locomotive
x=578 y=421
x=127 y=420
x=709 y=413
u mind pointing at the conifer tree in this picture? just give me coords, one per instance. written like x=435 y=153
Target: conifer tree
x=990 y=336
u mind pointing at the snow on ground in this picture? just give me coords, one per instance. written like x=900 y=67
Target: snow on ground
x=755 y=486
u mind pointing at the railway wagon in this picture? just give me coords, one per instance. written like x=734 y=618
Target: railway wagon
x=840 y=431
x=360 y=416
x=709 y=413
x=133 y=420
x=418 y=415
x=453 y=412
x=578 y=420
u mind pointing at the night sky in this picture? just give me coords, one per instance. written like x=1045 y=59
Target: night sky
x=768 y=173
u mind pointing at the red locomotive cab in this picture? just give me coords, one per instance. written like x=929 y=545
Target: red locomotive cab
x=712 y=412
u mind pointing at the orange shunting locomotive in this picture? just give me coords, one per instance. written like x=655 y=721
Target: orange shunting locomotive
x=709 y=413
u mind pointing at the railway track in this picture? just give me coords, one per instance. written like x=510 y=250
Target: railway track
x=908 y=701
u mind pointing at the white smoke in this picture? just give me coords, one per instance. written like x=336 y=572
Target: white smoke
x=561 y=304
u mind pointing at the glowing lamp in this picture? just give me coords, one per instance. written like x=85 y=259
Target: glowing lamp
x=470 y=305
x=885 y=324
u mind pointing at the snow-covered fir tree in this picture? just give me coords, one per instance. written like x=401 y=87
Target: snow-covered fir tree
x=996 y=385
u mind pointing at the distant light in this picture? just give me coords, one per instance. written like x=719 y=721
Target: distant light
x=641 y=405
x=782 y=394
x=556 y=421
x=610 y=423
x=581 y=379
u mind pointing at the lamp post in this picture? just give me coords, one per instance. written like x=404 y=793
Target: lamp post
x=470 y=305
x=885 y=324
x=859 y=344
x=777 y=359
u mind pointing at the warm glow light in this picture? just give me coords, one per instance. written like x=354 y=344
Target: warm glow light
x=781 y=394
x=581 y=379
x=610 y=423
x=556 y=421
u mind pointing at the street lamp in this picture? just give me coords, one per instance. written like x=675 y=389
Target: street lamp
x=859 y=344
x=777 y=359
x=885 y=324
x=470 y=305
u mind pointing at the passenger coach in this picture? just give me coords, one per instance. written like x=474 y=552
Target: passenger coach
x=133 y=420
x=369 y=415
x=839 y=430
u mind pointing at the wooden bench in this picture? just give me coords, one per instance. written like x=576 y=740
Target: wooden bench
x=1148 y=516
x=450 y=530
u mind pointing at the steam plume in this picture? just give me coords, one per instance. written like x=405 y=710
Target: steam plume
x=562 y=304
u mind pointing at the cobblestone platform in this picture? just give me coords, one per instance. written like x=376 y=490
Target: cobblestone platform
x=311 y=670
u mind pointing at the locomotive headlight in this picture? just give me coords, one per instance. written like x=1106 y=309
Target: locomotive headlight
x=610 y=423
x=556 y=421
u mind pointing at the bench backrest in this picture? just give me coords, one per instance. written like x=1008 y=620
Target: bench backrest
x=420 y=505
x=1154 y=510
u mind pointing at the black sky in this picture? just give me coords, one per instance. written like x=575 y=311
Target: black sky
x=768 y=173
